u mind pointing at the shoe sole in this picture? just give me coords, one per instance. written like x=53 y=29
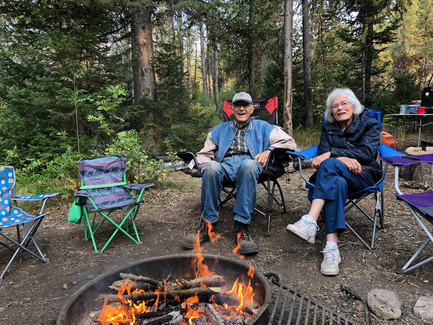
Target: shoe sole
x=307 y=238
x=191 y=246
x=248 y=251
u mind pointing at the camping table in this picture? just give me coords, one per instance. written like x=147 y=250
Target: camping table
x=423 y=121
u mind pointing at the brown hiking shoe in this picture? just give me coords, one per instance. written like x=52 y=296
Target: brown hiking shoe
x=203 y=231
x=243 y=238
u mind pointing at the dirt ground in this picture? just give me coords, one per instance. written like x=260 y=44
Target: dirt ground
x=34 y=292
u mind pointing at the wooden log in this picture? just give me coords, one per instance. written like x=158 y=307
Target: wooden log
x=133 y=284
x=215 y=317
x=182 y=294
x=140 y=278
x=207 y=281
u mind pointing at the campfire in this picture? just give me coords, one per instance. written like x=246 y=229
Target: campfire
x=207 y=298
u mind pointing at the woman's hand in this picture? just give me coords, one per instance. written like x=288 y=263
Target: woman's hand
x=352 y=164
x=319 y=159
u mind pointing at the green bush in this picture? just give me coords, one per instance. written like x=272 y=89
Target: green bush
x=141 y=167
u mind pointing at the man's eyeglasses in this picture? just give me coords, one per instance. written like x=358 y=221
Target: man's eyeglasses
x=241 y=104
x=342 y=104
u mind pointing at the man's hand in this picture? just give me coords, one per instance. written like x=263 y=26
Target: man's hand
x=262 y=158
x=319 y=159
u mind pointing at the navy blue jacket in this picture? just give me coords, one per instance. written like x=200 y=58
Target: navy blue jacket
x=359 y=140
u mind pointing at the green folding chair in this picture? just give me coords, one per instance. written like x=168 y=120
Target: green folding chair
x=104 y=190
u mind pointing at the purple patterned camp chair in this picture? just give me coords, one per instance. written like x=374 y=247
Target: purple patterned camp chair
x=419 y=204
x=104 y=190
x=12 y=216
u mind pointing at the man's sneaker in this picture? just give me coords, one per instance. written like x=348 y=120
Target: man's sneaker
x=304 y=229
x=189 y=241
x=330 y=261
x=242 y=233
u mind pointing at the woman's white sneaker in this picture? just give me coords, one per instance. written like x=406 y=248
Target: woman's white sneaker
x=305 y=229
x=330 y=261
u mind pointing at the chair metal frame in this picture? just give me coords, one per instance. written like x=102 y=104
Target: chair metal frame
x=416 y=211
x=29 y=223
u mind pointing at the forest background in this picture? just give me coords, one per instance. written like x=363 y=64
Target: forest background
x=88 y=78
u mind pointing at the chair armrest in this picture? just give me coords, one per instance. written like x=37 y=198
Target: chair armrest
x=191 y=161
x=81 y=192
x=36 y=197
x=138 y=186
x=305 y=154
x=387 y=151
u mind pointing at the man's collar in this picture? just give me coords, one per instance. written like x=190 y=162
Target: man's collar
x=247 y=126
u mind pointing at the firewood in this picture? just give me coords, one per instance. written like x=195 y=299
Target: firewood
x=207 y=281
x=140 y=278
x=182 y=294
x=134 y=285
x=214 y=316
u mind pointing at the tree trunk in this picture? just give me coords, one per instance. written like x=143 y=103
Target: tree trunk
x=288 y=94
x=142 y=51
x=308 y=94
x=195 y=65
x=251 y=71
x=263 y=75
x=179 y=23
x=215 y=79
x=203 y=61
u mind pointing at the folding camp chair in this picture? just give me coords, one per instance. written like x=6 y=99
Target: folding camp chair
x=104 y=190
x=355 y=198
x=264 y=109
x=11 y=215
x=419 y=204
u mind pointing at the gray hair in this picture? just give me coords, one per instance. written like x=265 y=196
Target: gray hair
x=351 y=98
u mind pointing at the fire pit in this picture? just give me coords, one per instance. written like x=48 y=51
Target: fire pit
x=78 y=308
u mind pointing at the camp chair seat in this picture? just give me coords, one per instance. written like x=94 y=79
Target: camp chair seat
x=419 y=204
x=104 y=190
x=12 y=216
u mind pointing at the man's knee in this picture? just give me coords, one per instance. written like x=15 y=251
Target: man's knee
x=249 y=167
x=212 y=169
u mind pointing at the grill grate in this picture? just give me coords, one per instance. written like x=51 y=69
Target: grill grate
x=291 y=307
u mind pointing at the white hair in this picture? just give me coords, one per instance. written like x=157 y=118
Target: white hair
x=350 y=97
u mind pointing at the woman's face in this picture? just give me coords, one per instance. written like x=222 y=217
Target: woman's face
x=342 y=110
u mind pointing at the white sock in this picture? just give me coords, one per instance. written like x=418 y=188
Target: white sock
x=309 y=218
x=331 y=245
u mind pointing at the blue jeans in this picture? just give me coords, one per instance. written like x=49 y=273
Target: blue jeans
x=333 y=183
x=241 y=169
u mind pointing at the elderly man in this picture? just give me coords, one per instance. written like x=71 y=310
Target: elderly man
x=236 y=151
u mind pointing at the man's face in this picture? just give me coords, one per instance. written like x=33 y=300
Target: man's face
x=242 y=111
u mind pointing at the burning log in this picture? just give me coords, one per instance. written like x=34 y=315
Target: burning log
x=206 y=281
x=181 y=294
x=134 y=285
x=139 y=278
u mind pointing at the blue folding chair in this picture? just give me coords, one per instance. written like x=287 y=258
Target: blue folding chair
x=355 y=198
x=104 y=190
x=419 y=204
x=12 y=216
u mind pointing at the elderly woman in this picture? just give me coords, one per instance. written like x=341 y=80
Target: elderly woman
x=346 y=163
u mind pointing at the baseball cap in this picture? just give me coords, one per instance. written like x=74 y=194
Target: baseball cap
x=244 y=97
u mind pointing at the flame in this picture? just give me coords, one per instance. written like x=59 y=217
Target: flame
x=192 y=313
x=238 y=236
x=201 y=269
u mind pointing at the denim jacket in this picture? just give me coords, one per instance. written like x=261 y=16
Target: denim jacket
x=260 y=136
